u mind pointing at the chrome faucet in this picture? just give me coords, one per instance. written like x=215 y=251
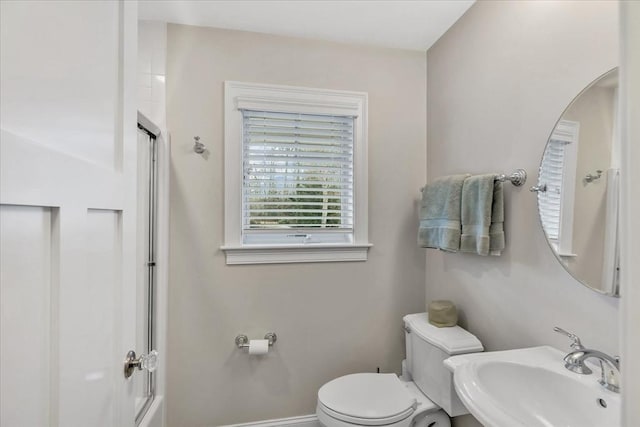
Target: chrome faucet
x=575 y=362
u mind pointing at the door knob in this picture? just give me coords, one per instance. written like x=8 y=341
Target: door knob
x=145 y=361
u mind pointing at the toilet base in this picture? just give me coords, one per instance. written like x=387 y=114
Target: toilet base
x=425 y=419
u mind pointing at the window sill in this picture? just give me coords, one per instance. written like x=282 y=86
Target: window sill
x=285 y=254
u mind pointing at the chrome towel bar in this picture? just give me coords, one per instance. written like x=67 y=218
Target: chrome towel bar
x=517 y=178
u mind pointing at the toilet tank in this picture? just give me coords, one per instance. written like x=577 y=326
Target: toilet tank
x=427 y=347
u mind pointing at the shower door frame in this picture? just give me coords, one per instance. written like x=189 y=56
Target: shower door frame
x=151 y=260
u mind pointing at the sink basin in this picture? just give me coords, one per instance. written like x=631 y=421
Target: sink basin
x=529 y=388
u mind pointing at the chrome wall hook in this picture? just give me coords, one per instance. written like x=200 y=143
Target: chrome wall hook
x=198 y=146
x=539 y=188
x=591 y=177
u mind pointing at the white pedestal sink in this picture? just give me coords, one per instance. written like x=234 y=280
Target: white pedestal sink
x=530 y=387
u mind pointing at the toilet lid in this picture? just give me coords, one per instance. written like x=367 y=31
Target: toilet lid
x=367 y=397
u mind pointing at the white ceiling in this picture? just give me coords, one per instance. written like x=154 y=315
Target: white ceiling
x=400 y=24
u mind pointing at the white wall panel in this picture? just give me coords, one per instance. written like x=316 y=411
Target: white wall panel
x=57 y=88
x=89 y=316
x=25 y=304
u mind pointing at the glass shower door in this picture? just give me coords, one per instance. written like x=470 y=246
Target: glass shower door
x=144 y=381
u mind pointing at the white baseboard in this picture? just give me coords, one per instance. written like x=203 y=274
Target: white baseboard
x=304 y=421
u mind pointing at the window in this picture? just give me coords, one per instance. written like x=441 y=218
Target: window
x=298 y=175
x=558 y=173
x=295 y=174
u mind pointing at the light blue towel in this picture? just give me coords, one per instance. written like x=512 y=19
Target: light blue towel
x=440 y=214
x=480 y=234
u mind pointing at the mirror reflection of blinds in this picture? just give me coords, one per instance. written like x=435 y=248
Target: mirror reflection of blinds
x=551 y=171
x=298 y=171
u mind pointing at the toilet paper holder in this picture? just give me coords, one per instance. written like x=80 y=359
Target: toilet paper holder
x=242 y=341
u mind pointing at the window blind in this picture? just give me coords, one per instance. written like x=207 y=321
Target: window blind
x=298 y=172
x=551 y=173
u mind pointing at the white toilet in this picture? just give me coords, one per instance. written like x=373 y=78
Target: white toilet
x=424 y=397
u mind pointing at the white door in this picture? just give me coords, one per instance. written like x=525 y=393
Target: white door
x=67 y=212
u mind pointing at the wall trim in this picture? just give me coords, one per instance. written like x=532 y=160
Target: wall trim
x=239 y=96
x=630 y=208
x=303 y=421
x=284 y=254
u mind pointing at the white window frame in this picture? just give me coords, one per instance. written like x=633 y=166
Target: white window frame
x=291 y=99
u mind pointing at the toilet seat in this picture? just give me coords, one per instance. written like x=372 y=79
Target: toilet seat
x=364 y=421
x=366 y=399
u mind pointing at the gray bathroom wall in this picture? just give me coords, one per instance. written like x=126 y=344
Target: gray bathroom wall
x=497 y=81
x=331 y=318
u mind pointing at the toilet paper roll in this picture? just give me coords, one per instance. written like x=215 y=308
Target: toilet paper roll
x=258 y=346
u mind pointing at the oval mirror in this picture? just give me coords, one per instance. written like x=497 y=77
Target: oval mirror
x=578 y=182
